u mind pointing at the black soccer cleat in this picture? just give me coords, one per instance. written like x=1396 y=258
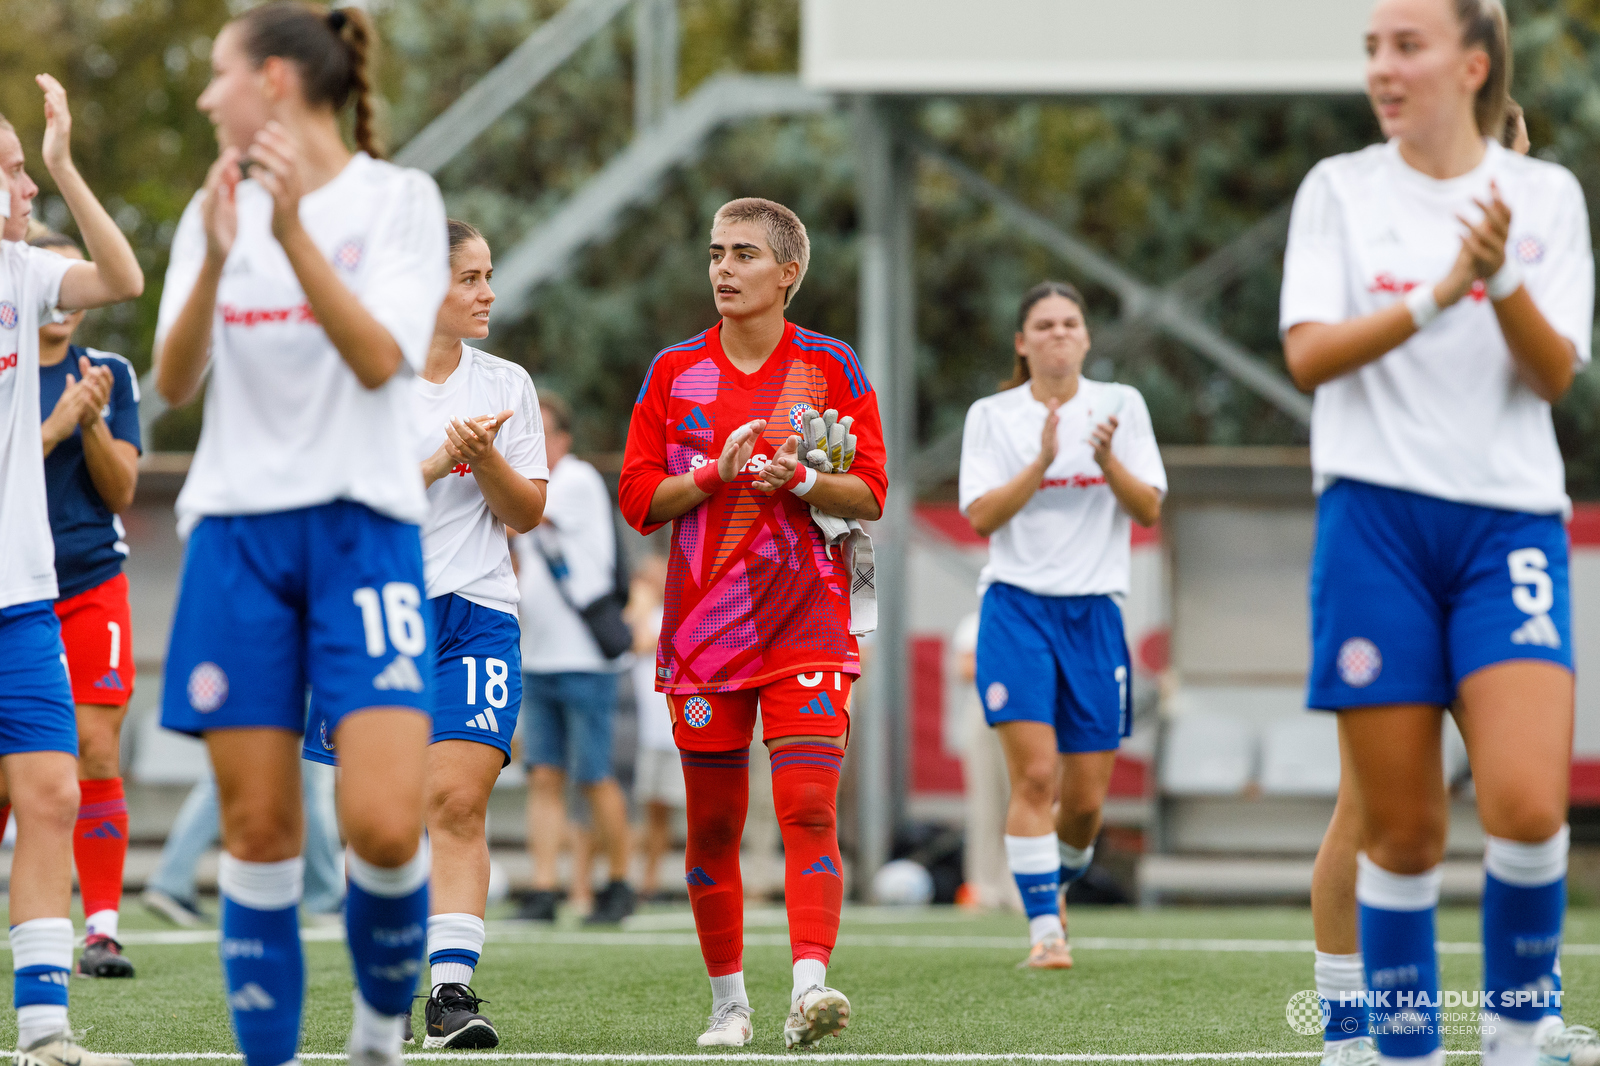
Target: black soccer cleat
x=612 y=904
x=539 y=906
x=102 y=957
x=453 y=1020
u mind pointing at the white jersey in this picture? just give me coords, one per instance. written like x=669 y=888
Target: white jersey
x=578 y=531
x=464 y=547
x=287 y=424
x=1445 y=414
x=1072 y=537
x=30 y=282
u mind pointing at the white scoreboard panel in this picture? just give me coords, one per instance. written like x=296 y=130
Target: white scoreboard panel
x=1084 y=46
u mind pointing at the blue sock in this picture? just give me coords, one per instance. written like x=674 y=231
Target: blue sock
x=262 y=964
x=1341 y=980
x=1036 y=865
x=386 y=917
x=1524 y=901
x=1397 y=939
x=41 y=953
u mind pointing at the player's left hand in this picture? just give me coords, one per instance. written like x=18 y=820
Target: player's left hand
x=57 y=124
x=780 y=468
x=1100 y=440
x=96 y=382
x=1485 y=240
x=471 y=441
x=276 y=168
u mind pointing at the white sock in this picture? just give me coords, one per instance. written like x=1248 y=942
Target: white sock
x=1337 y=974
x=1030 y=860
x=1045 y=927
x=1075 y=858
x=728 y=989
x=38 y=1021
x=372 y=1031
x=808 y=972
x=102 y=923
x=1507 y=1042
x=460 y=933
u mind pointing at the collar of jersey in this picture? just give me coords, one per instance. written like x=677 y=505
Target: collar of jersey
x=774 y=363
x=1473 y=178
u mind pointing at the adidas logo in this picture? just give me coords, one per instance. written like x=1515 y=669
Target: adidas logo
x=695 y=419
x=111 y=681
x=697 y=876
x=51 y=977
x=401 y=674
x=486 y=720
x=1538 y=630
x=251 y=997
x=103 y=831
x=821 y=705
x=823 y=865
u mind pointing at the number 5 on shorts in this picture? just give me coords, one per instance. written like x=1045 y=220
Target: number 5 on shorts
x=399 y=608
x=1532 y=590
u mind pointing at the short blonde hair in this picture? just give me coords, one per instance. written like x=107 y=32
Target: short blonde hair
x=785 y=232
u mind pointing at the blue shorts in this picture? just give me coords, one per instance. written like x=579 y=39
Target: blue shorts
x=1411 y=593
x=1060 y=660
x=36 y=711
x=477 y=679
x=326 y=597
x=568 y=718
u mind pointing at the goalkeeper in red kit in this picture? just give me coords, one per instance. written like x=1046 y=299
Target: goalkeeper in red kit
x=761 y=442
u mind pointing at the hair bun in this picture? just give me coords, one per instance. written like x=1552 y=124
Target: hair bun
x=337 y=20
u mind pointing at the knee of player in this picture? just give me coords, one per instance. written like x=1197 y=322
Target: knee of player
x=385 y=841
x=455 y=813
x=49 y=804
x=717 y=831
x=1411 y=846
x=264 y=836
x=808 y=805
x=1528 y=819
x=1075 y=807
x=1036 y=784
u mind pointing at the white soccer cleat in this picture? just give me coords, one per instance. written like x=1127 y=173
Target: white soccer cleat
x=817 y=1012
x=729 y=1026
x=1569 y=1045
x=1362 y=1052
x=62 y=1049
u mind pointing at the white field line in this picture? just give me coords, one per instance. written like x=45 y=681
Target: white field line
x=562 y=1056
x=511 y=932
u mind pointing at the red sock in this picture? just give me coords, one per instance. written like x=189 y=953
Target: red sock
x=100 y=844
x=5 y=817
x=718 y=786
x=805 y=787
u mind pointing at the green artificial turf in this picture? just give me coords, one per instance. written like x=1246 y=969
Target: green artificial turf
x=920 y=982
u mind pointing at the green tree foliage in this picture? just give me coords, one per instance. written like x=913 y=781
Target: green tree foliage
x=1158 y=184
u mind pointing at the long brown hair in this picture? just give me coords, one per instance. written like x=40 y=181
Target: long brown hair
x=1484 y=25
x=332 y=49
x=1020 y=372
x=460 y=233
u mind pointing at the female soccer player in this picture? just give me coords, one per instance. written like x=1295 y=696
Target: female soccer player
x=1438 y=295
x=307 y=278
x=38 y=729
x=757 y=605
x=91 y=445
x=485 y=472
x=1054 y=468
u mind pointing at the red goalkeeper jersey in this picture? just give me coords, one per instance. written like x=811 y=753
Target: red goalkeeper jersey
x=752 y=596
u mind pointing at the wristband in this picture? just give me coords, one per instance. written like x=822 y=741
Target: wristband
x=707 y=479
x=803 y=481
x=1507 y=280
x=1423 y=307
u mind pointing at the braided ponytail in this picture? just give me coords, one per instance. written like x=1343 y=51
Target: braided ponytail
x=332 y=49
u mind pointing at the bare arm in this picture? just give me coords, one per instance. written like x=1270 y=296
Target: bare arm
x=366 y=346
x=680 y=494
x=998 y=506
x=113 y=466
x=1141 y=501
x=114 y=274
x=515 y=500
x=181 y=355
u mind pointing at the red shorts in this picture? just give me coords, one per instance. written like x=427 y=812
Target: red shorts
x=806 y=705
x=95 y=628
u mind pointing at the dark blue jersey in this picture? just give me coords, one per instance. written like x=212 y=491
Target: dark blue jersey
x=89 y=544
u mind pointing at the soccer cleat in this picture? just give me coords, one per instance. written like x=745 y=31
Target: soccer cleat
x=1053 y=954
x=453 y=1020
x=406 y=1035
x=182 y=912
x=1569 y=1045
x=615 y=902
x=539 y=906
x=728 y=1027
x=815 y=1013
x=61 y=1049
x=1362 y=1052
x=373 y=1057
x=102 y=957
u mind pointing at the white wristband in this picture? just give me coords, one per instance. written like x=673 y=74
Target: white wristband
x=1423 y=307
x=1507 y=280
x=808 y=479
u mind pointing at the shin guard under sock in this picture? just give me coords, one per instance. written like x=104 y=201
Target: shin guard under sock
x=100 y=850
x=718 y=797
x=805 y=788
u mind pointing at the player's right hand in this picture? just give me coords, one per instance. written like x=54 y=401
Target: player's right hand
x=66 y=414
x=1049 y=439
x=739 y=447
x=95 y=387
x=219 y=205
